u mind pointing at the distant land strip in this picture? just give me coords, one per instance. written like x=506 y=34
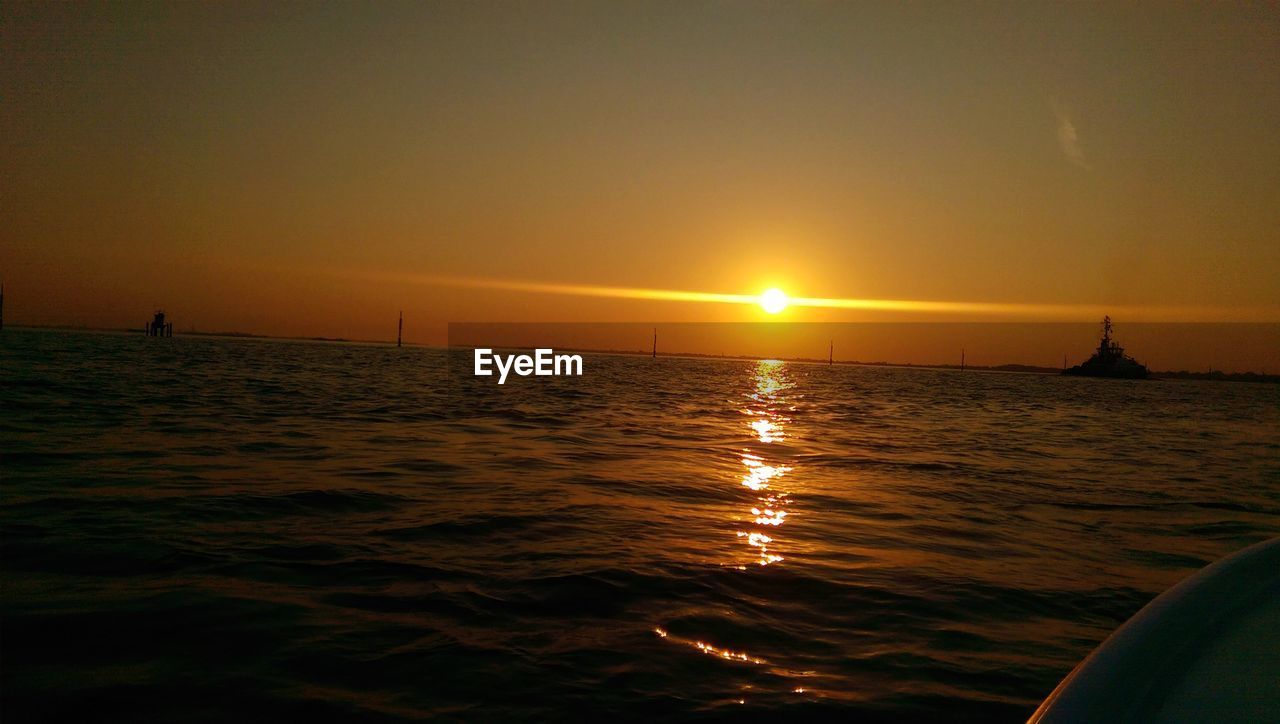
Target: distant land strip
x=1212 y=375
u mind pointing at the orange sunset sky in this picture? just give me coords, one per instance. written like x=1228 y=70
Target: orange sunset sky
x=311 y=169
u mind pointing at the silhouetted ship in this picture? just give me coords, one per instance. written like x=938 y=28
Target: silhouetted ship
x=1109 y=361
x=157 y=327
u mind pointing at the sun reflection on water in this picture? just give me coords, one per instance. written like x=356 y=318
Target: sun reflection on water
x=767 y=408
x=767 y=431
x=765 y=469
x=708 y=649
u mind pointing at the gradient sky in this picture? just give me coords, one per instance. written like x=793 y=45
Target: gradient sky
x=312 y=168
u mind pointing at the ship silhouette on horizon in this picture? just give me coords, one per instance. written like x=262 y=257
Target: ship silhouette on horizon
x=158 y=327
x=1109 y=360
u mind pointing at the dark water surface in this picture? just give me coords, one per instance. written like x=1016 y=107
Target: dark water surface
x=217 y=529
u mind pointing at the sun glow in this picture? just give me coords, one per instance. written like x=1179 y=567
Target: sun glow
x=774 y=301
x=777 y=299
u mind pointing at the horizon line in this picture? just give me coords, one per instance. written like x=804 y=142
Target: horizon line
x=1031 y=368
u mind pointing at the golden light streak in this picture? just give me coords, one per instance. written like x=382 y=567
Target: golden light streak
x=586 y=290
x=1064 y=312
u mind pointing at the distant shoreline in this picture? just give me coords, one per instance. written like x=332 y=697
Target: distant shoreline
x=1216 y=375
x=1210 y=376
x=192 y=333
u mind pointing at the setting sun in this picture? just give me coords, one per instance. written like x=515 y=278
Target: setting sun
x=773 y=301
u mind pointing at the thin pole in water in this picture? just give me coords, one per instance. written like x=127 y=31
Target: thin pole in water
x=962 y=359
x=831 y=352
x=400 y=329
x=654 y=354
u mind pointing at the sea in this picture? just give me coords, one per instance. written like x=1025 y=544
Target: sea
x=224 y=529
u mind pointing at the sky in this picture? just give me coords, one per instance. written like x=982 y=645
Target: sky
x=312 y=169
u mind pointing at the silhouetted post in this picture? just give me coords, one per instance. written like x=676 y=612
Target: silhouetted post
x=962 y=359
x=1 y=306
x=654 y=354
x=831 y=352
x=400 y=329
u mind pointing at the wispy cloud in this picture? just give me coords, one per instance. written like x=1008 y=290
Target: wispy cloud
x=1069 y=138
